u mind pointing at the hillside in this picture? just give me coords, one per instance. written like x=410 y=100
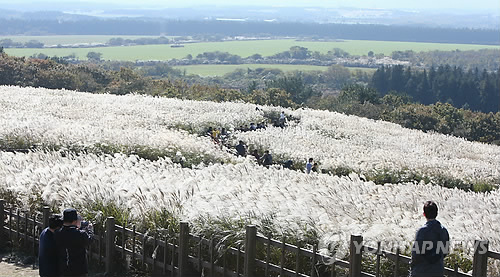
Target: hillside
x=143 y=154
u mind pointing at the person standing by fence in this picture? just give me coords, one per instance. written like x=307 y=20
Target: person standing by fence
x=47 y=250
x=72 y=241
x=430 y=247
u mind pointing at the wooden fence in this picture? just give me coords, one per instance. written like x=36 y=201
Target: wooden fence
x=187 y=254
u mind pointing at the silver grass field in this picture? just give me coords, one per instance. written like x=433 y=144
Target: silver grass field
x=68 y=169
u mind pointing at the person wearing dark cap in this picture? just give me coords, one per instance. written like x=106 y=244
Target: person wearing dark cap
x=431 y=246
x=47 y=250
x=72 y=242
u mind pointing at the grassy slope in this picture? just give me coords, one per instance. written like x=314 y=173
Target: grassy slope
x=244 y=49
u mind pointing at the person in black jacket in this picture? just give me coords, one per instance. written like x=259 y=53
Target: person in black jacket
x=430 y=247
x=241 y=149
x=72 y=245
x=47 y=251
x=267 y=159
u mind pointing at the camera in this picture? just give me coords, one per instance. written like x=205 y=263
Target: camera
x=84 y=225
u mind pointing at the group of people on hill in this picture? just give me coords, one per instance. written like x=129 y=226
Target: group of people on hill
x=218 y=134
x=265 y=160
x=221 y=134
x=63 y=246
x=311 y=166
x=252 y=127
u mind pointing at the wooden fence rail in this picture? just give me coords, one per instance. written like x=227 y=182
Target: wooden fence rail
x=187 y=254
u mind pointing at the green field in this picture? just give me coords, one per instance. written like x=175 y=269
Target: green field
x=55 y=40
x=242 y=48
x=222 y=69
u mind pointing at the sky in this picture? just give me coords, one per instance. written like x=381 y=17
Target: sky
x=493 y=6
x=383 y=4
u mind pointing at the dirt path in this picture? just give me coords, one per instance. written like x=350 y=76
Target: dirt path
x=13 y=270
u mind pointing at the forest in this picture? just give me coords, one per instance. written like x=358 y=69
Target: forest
x=473 y=89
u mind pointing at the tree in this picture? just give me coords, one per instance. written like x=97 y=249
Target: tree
x=252 y=86
x=40 y=56
x=371 y=54
x=256 y=57
x=33 y=44
x=116 y=41
x=360 y=94
x=337 y=76
x=396 y=79
x=380 y=80
x=339 y=53
x=295 y=86
x=94 y=56
x=298 y=52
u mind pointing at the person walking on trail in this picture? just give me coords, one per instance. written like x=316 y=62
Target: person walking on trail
x=241 y=149
x=47 y=249
x=223 y=135
x=72 y=241
x=309 y=165
x=430 y=247
x=267 y=159
x=215 y=134
x=282 y=119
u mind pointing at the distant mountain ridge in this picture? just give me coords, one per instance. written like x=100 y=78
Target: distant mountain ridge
x=82 y=10
x=42 y=15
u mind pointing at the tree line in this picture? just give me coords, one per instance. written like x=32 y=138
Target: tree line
x=132 y=26
x=488 y=59
x=55 y=73
x=9 y=43
x=471 y=89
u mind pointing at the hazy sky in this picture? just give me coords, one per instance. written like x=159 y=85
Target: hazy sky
x=399 y=4
x=442 y=5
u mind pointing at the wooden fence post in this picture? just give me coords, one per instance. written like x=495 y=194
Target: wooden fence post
x=250 y=250
x=46 y=215
x=480 y=262
x=2 y=214
x=183 y=248
x=355 y=255
x=2 y=222
x=110 y=244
